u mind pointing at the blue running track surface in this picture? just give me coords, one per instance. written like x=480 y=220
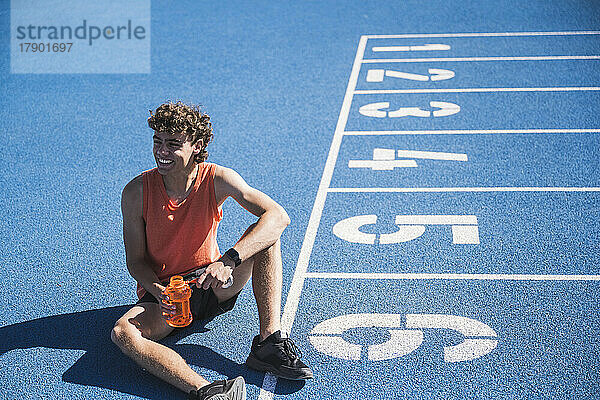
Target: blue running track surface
x=439 y=162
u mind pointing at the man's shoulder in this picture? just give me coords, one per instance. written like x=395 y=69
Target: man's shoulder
x=218 y=168
x=137 y=184
x=223 y=171
x=228 y=182
x=226 y=175
x=134 y=190
x=134 y=183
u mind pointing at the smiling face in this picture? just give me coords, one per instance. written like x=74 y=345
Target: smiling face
x=174 y=153
x=176 y=126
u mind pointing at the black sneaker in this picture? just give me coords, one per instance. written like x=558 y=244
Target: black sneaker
x=234 y=389
x=279 y=356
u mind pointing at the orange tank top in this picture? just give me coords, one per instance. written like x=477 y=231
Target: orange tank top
x=183 y=237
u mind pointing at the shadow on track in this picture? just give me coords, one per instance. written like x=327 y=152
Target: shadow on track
x=103 y=365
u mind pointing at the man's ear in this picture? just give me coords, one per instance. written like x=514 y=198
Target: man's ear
x=198 y=146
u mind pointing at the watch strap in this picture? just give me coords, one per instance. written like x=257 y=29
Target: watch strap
x=234 y=255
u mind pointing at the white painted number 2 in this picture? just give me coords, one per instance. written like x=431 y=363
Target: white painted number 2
x=327 y=338
x=377 y=110
x=377 y=75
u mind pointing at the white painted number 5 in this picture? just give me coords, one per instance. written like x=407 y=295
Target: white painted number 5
x=464 y=228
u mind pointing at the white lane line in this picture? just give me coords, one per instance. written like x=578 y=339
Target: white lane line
x=293 y=297
x=470 y=132
x=481 y=34
x=291 y=305
x=487 y=277
x=462 y=189
x=482 y=90
x=460 y=59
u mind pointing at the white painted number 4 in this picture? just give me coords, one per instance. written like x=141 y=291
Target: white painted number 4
x=385 y=159
x=378 y=110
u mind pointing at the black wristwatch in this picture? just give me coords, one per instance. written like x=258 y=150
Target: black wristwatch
x=234 y=255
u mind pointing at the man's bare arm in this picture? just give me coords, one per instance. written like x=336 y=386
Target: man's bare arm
x=272 y=218
x=134 y=238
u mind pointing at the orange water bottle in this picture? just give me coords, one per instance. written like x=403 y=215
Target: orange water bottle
x=179 y=293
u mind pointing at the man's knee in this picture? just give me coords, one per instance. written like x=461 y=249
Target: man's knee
x=125 y=336
x=118 y=334
x=272 y=251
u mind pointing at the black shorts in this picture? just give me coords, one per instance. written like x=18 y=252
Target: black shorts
x=204 y=303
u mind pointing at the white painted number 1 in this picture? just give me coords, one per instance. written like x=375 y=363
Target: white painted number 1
x=423 y=47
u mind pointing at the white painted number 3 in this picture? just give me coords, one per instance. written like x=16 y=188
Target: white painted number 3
x=479 y=339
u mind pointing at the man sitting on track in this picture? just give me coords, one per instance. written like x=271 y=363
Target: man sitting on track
x=170 y=218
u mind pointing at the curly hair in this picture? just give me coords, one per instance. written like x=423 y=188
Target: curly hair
x=182 y=118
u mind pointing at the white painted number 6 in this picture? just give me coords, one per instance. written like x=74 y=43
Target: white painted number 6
x=479 y=339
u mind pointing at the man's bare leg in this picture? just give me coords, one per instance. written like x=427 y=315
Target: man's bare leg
x=265 y=269
x=266 y=284
x=136 y=333
x=270 y=352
